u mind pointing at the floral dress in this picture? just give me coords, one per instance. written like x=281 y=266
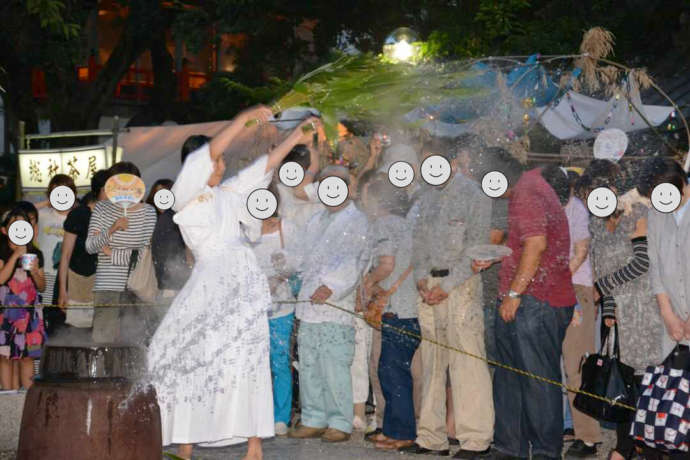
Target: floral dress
x=639 y=323
x=22 y=332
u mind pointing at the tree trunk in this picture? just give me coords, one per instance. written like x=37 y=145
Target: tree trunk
x=143 y=23
x=164 y=81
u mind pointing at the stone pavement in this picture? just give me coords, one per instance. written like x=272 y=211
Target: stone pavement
x=314 y=449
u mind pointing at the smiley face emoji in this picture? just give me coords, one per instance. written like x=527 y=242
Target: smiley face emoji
x=291 y=174
x=62 y=198
x=436 y=170
x=666 y=197
x=262 y=204
x=164 y=199
x=494 y=184
x=20 y=232
x=401 y=174
x=602 y=202
x=333 y=191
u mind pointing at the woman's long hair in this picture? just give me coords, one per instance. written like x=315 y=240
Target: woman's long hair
x=162 y=183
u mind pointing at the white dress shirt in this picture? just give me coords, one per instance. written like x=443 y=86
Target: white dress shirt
x=332 y=251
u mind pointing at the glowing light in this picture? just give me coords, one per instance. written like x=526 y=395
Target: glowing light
x=402 y=51
x=401 y=45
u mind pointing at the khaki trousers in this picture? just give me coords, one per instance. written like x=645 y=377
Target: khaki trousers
x=379 y=400
x=360 y=363
x=458 y=322
x=579 y=339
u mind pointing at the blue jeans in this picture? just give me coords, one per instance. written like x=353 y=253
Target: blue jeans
x=397 y=350
x=529 y=411
x=567 y=415
x=326 y=351
x=280 y=332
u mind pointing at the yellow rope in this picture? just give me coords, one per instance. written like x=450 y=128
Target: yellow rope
x=482 y=358
x=396 y=329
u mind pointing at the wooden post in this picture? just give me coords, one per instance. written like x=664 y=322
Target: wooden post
x=22 y=146
x=116 y=130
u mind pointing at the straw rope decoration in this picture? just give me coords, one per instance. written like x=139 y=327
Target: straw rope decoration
x=402 y=332
x=596 y=46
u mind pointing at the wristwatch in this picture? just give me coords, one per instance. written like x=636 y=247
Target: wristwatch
x=514 y=295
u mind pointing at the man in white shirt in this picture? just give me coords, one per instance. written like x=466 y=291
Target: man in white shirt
x=331 y=258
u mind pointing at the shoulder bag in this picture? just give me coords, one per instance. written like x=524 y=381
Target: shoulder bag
x=142 y=276
x=662 y=418
x=604 y=375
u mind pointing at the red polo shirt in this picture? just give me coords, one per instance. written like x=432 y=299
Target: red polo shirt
x=535 y=210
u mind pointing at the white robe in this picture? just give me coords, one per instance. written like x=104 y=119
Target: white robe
x=209 y=358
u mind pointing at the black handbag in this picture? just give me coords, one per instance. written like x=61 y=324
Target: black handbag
x=604 y=375
x=679 y=358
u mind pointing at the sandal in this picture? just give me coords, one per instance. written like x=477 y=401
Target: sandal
x=378 y=437
x=398 y=444
x=385 y=445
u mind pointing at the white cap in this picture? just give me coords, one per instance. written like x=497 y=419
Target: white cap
x=398 y=152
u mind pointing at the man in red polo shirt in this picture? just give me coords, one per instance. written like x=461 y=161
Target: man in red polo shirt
x=536 y=306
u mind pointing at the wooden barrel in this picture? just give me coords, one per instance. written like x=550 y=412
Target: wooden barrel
x=89 y=411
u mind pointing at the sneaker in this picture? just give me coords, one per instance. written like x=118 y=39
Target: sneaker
x=581 y=450
x=281 y=429
x=333 y=435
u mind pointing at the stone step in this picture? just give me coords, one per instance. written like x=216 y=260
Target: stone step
x=11 y=407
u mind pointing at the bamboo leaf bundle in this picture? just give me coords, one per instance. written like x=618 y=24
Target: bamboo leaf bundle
x=365 y=87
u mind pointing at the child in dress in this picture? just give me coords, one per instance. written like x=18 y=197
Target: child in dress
x=22 y=332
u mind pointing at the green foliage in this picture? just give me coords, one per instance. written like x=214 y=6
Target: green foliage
x=367 y=88
x=50 y=14
x=224 y=95
x=191 y=27
x=501 y=18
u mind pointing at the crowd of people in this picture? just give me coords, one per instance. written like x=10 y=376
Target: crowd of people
x=375 y=300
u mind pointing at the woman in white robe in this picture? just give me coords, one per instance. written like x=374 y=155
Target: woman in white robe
x=209 y=358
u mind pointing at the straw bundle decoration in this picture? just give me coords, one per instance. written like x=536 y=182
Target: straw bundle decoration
x=597 y=43
x=567 y=82
x=609 y=77
x=642 y=78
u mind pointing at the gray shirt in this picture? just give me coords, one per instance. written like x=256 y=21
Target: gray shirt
x=490 y=279
x=669 y=263
x=451 y=219
x=392 y=236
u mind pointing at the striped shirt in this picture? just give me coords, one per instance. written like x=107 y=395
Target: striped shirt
x=111 y=273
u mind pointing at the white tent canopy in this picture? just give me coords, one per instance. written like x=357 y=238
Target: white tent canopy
x=156 y=150
x=574 y=112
